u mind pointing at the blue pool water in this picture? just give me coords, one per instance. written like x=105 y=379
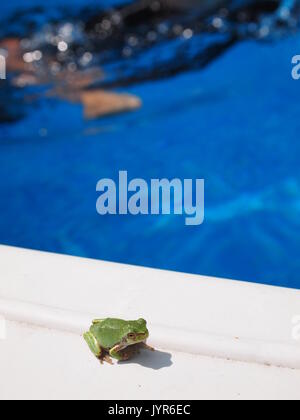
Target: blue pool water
x=236 y=124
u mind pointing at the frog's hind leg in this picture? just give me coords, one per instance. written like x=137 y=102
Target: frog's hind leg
x=93 y=344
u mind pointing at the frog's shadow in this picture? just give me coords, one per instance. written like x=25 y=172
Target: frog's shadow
x=155 y=360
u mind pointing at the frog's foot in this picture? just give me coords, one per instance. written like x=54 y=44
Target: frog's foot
x=145 y=346
x=106 y=359
x=93 y=344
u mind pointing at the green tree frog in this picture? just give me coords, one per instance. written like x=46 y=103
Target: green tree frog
x=116 y=338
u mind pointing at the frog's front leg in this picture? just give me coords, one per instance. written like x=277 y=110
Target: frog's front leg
x=146 y=347
x=115 y=352
x=93 y=344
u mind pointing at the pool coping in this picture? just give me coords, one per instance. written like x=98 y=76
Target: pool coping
x=186 y=313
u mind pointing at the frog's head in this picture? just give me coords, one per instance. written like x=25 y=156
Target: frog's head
x=137 y=332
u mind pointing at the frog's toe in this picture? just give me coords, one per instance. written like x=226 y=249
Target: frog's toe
x=107 y=359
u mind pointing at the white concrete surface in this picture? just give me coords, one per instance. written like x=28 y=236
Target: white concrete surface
x=37 y=363
x=49 y=300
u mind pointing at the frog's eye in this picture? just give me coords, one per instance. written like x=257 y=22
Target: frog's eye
x=131 y=336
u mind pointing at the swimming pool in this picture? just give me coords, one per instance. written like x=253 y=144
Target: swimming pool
x=235 y=124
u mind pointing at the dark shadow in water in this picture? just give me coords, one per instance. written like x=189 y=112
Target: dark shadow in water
x=137 y=42
x=155 y=360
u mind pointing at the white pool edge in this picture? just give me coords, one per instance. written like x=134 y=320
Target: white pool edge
x=192 y=342
x=25 y=299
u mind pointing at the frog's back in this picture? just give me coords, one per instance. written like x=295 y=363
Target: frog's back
x=114 y=323
x=108 y=331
